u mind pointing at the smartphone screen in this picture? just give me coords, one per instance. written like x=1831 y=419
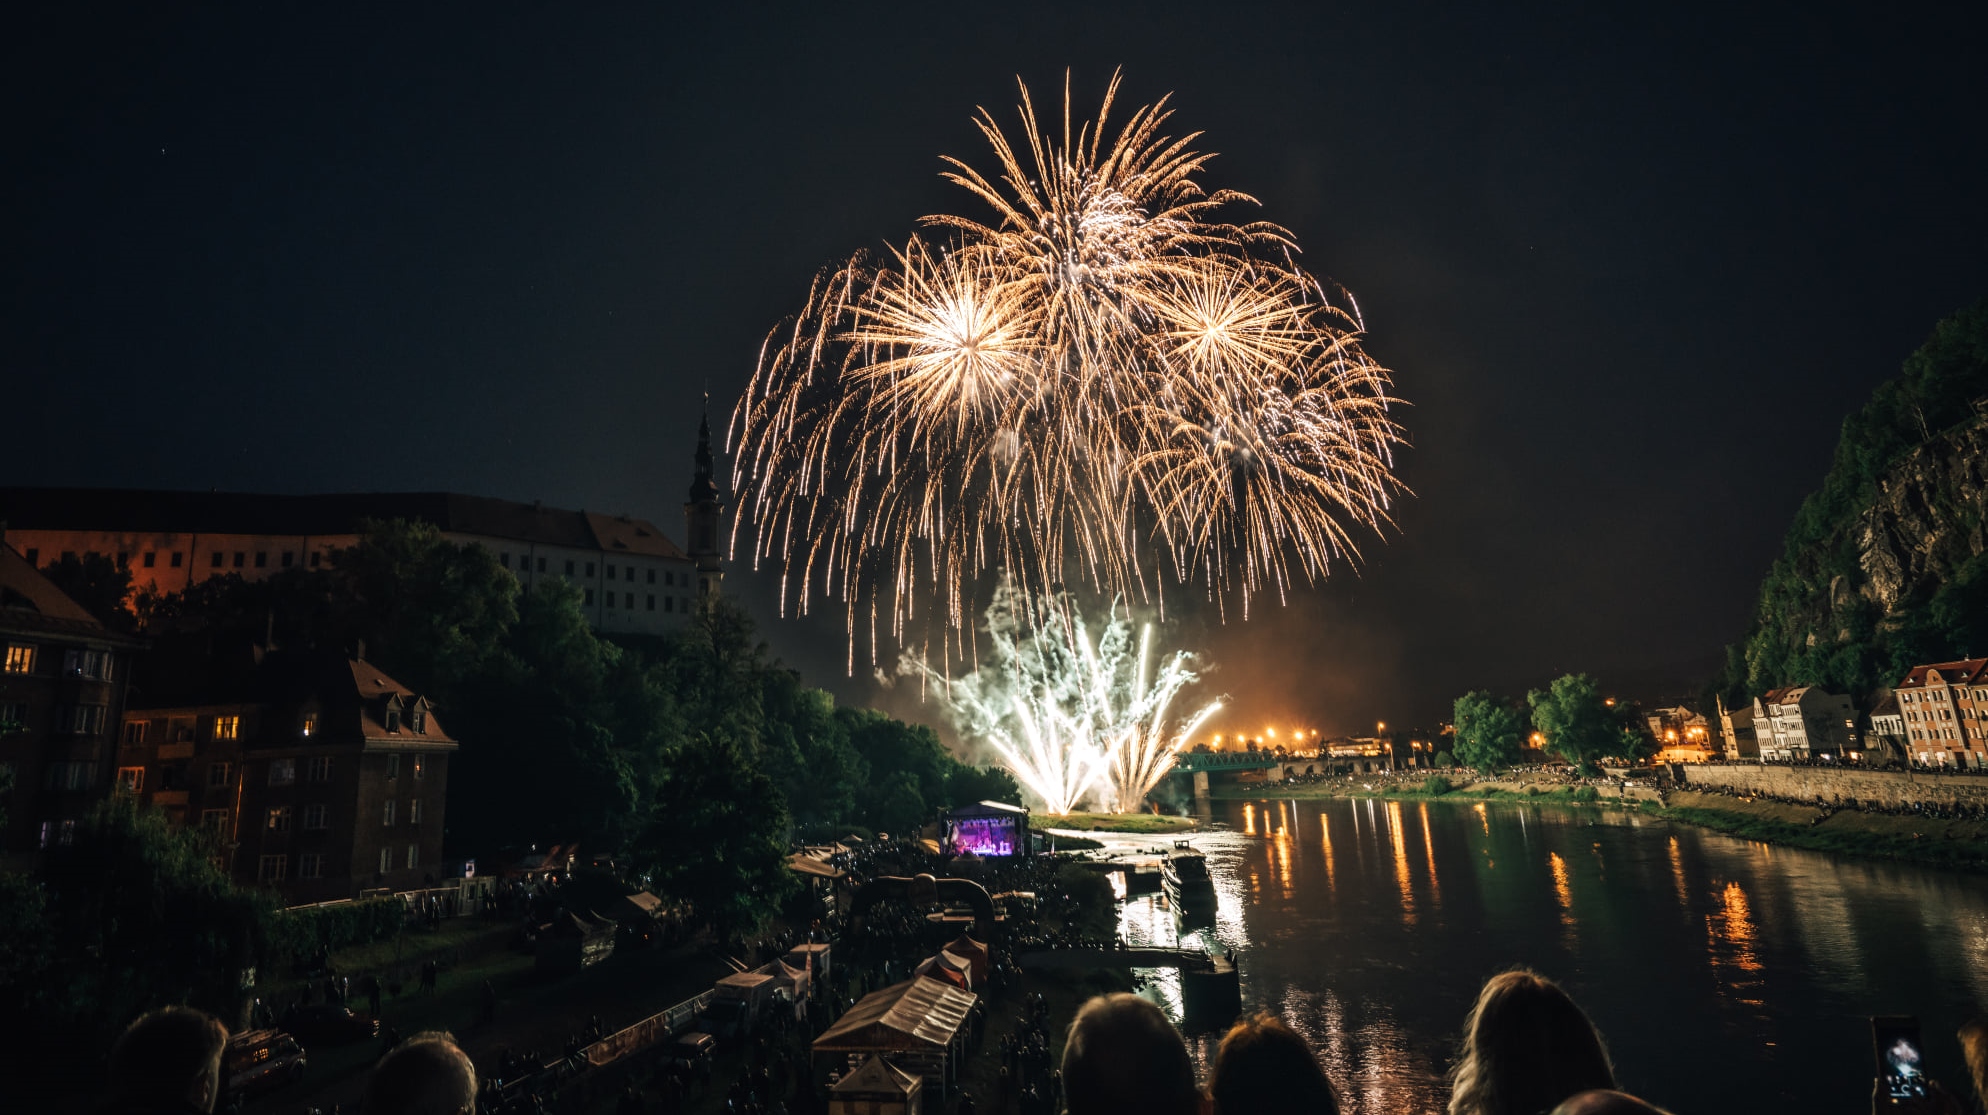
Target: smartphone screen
x=1901 y=1061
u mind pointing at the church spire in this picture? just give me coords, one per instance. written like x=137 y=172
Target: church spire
x=703 y=514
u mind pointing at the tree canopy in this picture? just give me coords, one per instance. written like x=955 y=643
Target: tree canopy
x=1489 y=731
x=1579 y=723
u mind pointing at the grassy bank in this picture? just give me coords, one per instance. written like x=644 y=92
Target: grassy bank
x=1924 y=840
x=1142 y=823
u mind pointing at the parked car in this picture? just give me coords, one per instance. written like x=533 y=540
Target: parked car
x=328 y=1024
x=258 y=1060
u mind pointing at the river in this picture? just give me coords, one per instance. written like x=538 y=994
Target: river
x=1725 y=975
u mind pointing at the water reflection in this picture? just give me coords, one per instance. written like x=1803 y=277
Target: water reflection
x=1773 y=956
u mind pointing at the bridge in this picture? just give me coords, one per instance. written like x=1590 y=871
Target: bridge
x=1194 y=960
x=1210 y=986
x=1199 y=762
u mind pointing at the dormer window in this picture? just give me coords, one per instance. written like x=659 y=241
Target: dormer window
x=417 y=719
x=309 y=725
x=393 y=720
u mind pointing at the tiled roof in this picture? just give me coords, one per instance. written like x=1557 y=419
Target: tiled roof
x=159 y=512
x=26 y=595
x=1965 y=671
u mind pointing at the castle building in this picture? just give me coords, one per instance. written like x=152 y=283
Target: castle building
x=632 y=578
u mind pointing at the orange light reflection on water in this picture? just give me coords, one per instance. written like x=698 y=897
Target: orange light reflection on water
x=1325 y=842
x=1398 y=840
x=1429 y=850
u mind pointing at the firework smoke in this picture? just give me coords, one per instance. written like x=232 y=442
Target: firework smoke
x=1101 y=383
x=1072 y=717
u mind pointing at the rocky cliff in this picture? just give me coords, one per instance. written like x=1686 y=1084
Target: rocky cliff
x=1886 y=565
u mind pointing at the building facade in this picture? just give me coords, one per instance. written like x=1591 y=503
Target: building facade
x=1803 y=723
x=320 y=777
x=1736 y=732
x=63 y=679
x=1683 y=735
x=1887 y=738
x=632 y=579
x=1944 y=706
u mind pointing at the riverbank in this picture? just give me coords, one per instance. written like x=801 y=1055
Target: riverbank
x=1930 y=841
x=1145 y=824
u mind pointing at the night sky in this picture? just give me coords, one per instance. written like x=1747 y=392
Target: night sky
x=1631 y=264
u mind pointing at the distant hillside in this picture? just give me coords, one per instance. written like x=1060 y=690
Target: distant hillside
x=1887 y=564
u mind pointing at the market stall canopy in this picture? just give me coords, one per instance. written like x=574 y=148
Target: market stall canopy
x=975 y=954
x=877 y=1078
x=914 y=1016
x=955 y=970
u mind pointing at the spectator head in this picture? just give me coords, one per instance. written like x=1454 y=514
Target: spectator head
x=1974 y=1047
x=1607 y=1103
x=168 y=1058
x=428 y=1074
x=1123 y=1055
x=1265 y=1067
x=1526 y=1047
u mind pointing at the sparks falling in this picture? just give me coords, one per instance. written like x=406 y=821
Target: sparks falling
x=1102 y=383
x=1075 y=719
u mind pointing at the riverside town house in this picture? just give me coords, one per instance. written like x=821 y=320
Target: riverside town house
x=324 y=777
x=62 y=688
x=1945 y=711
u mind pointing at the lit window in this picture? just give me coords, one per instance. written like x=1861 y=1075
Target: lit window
x=279 y=818
x=386 y=814
x=314 y=817
x=420 y=765
x=92 y=664
x=20 y=658
x=310 y=865
x=271 y=869
x=130 y=780
x=282 y=772
x=227 y=727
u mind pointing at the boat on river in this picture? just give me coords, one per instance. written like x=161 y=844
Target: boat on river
x=1189 y=889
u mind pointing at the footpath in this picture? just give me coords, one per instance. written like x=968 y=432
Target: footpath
x=533 y=1013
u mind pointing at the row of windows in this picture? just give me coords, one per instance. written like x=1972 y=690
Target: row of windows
x=96 y=665
x=177 y=558
x=1940 y=695
x=282 y=772
x=628 y=601
x=627 y=572
x=310 y=865
x=387 y=812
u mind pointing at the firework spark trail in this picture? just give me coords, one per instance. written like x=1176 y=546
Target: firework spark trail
x=1074 y=718
x=1103 y=383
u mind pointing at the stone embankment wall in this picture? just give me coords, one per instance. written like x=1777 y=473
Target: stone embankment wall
x=1889 y=788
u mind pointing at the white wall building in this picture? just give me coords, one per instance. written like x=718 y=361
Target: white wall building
x=1802 y=723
